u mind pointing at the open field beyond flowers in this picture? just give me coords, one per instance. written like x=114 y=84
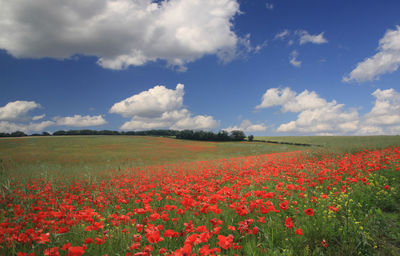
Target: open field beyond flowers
x=293 y=203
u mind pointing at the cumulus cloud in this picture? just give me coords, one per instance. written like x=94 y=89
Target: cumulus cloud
x=305 y=37
x=120 y=33
x=293 y=59
x=270 y=6
x=9 y=127
x=14 y=116
x=80 y=121
x=160 y=107
x=247 y=126
x=386 y=60
x=199 y=122
x=151 y=103
x=384 y=117
x=318 y=116
x=329 y=118
x=17 y=110
x=291 y=101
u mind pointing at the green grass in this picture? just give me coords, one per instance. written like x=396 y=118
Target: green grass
x=338 y=144
x=368 y=222
x=29 y=156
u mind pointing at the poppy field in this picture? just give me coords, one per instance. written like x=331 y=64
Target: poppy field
x=286 y=203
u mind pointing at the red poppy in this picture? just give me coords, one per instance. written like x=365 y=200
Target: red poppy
x=225 y=242
x=76 y=251
x=289 y=223
x=309 y=212
x=299 y=231
x=88 y=240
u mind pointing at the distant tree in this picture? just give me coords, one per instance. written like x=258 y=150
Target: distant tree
x=223 y=136
x=250 y=137
x=45 y=134
x=59 y=133
x=185 y=134
x=18 y=134
x=237 y=135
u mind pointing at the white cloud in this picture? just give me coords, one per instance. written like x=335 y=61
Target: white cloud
x=80 y=121
x=119 y=32
x=305 y=37
x=329 y=118
x=387 y=60
x=247 y=126
x=17 y=110
x=291 y=101
x=269 y=6
x=282 y=35
x=293 y=59
x=151 y=103
x=318 y=116
x=160 y=107
x=35 y=118
x=9 y=127
x=199 y=122
x=386 y=110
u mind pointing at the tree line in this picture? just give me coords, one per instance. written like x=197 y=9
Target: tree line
x=235 y=135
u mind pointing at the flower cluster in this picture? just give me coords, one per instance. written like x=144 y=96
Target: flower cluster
x=202 y=208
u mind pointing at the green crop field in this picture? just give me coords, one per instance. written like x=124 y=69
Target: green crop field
x=138 y=195
x=74 y=155
x=338 y=143
x=80 y=154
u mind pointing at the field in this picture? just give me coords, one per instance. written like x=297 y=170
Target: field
x=121 y=195
x=339 y=143
x=81 y=154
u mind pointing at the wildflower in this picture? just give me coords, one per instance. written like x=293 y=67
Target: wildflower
x=255 y=231
x=289 y=223
x=309 y=212
x=225 y=242
x=299 y=231
x=76 y=251
x=88 y=240
x=52 y=252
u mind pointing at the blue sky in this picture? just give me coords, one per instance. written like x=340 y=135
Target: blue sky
x=275 y=67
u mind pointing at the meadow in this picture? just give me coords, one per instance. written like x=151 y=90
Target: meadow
x=121 y=195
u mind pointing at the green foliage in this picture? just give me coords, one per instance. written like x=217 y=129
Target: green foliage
x=237 y=135
x=13 y=134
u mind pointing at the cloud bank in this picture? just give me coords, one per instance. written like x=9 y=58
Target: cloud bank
x=318 y=116
x=160 y=108
x=14 y=116
x=121 y=33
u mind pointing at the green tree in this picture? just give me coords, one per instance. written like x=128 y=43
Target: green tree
x=237 y=135
x=250 y=137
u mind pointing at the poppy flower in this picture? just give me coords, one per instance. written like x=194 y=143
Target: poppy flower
x=309 y=212
x=76 y=251
x=299 y=231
